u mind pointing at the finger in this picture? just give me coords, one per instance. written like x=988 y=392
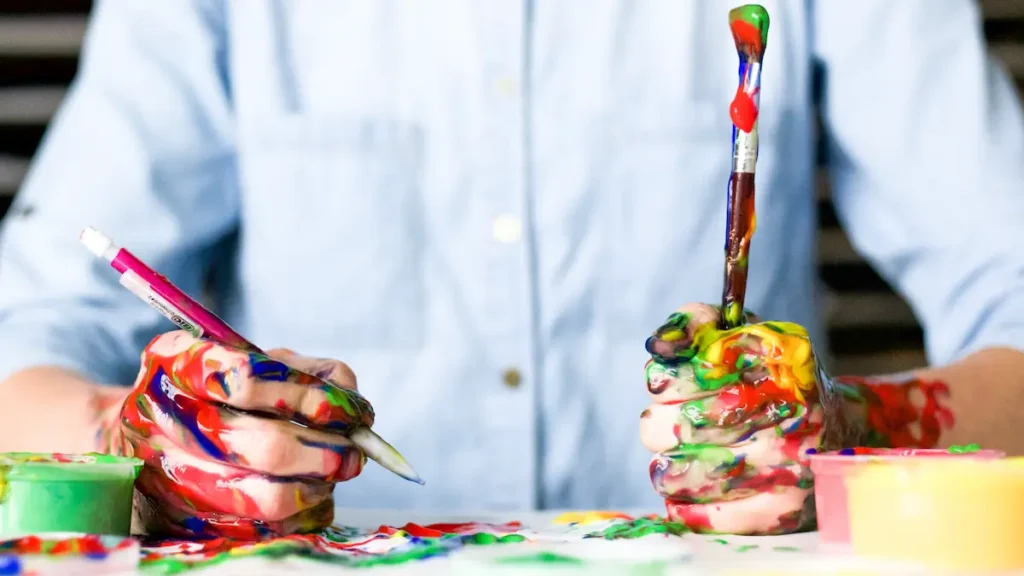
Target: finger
x=198 y=502
x=191 y=484
x=781 y=511
x=675 y=340
x=732 y=416
x=704 y=474
x=327 y=369
x=157 y=412
x=255 y=382
x=671 y=384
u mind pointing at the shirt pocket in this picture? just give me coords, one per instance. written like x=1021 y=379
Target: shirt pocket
x=334 y=218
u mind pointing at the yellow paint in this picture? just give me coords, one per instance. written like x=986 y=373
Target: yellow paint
x=786 y=348
x=946 y=513
x=589 y=517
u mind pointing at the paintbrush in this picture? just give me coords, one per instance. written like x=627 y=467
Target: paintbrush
x=749 y=25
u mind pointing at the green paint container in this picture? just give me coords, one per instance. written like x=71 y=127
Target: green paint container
x=89 y=493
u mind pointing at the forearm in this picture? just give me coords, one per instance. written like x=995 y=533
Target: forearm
x=48 y=409
x=975 y=400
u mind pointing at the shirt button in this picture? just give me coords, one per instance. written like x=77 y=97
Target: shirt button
x=507 y=229
x=512 y=378
x=507 y=86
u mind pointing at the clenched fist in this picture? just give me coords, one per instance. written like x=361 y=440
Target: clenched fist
x=733 y=414
x=238 y=444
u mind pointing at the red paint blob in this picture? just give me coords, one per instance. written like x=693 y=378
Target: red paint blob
x=746 y=34
x=743 y=111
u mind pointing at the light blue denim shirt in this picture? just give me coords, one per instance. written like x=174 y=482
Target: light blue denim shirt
x=441 y=192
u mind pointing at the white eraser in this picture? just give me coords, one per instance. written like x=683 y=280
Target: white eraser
x=97 y=242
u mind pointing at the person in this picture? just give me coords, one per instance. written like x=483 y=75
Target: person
x=483 y=210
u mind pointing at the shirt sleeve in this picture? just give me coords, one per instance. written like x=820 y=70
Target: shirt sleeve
x=141 y=149
x=925 y=145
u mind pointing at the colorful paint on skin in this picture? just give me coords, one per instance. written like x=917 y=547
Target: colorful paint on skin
x=749 y=25
x=737 y=413
x=744 y=406
x=192 y=418
x=891 y=417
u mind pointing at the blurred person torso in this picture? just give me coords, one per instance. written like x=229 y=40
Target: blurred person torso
x=480 y=192
x=483 y=207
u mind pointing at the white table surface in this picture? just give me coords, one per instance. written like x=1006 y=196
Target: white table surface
x=741 y=555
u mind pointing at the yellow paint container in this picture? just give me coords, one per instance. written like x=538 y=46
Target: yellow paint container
x=946 y=513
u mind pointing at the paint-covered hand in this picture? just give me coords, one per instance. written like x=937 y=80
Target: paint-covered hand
x=238 y=444
x=734 y=413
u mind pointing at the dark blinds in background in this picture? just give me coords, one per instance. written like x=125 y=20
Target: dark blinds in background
x=872 y=330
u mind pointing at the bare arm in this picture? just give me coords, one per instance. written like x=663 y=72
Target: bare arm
x=49 y=409
x=976 y=400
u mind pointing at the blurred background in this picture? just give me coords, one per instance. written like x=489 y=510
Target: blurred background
x=872 y=330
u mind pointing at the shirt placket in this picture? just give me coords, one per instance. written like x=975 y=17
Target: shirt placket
x=511 y=422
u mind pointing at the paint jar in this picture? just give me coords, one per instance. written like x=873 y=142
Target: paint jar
x=950 y=514
x=85 y=493
x=831 y=469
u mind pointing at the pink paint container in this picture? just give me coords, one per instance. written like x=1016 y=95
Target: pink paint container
x=831 y=469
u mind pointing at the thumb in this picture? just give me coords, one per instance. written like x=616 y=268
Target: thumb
x=328 y=369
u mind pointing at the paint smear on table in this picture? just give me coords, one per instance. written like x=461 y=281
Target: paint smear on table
x=355 y=548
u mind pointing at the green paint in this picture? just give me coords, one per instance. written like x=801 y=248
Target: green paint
x=337 y=396
x=747 y=547
x=92 y=493
x=540 y=558
x=968 y=449
x=785 y=548
x=756 y=16
x=710 y=454
x=639 y=528
x=430 y=548
x=720 y=541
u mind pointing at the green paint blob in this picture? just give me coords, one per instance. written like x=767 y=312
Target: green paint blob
x=483 y=538
x=539 y=558
x=512 y=538
x=711 y=454
x=338 y=397
x=639 y=528
x=720 y=541
x=968 y=449
x=89 y=493
x=747 y=547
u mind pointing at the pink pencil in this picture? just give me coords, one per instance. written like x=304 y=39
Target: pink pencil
x=191 y=316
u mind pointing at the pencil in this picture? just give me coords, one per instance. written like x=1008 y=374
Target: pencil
x=191 y=316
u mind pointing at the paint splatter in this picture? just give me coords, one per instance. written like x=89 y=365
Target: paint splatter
x=968 y=449
x=747 y=547
x=351 y=547
x=539 y=558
